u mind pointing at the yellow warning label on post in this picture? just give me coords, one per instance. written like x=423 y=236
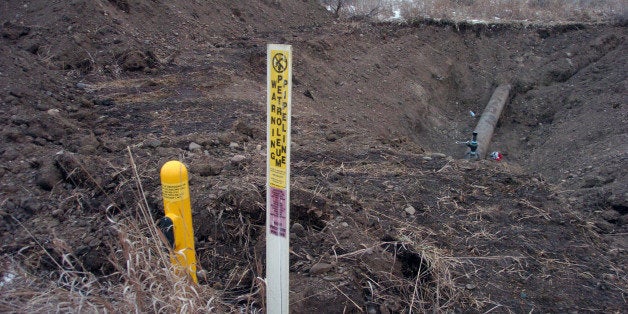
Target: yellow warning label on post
x=279 y=87
x=178 y=191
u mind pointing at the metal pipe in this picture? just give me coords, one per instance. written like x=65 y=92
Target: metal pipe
x=488 y=120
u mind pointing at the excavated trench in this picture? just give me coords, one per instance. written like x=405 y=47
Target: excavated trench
x=418 y=85
x=565 y=118
x=414 y=87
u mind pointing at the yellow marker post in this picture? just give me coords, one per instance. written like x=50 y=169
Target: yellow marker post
x=177 y=223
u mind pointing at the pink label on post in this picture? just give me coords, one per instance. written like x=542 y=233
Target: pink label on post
x=278 y=208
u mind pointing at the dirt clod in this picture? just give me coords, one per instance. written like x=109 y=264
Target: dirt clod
x=14 y=32
x=320 y=268
x=48 y=177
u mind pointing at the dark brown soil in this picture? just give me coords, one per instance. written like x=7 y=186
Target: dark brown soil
x=392 y=218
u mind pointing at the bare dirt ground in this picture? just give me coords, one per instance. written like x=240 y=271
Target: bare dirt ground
x=386 y=215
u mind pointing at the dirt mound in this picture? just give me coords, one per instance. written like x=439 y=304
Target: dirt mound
x=386 y=217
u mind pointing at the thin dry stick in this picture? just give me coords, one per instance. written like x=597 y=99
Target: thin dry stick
x=348 y=298
x=416 y=287
x=138 y=182
x=148 y=217
x=364 y=250
x=38 y=243
x=484 y=257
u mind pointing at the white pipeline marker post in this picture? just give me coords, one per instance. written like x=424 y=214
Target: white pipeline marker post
x=279 y=76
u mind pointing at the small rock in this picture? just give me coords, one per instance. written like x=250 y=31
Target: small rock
x=298 y=229
x=344 y=224
x=320 y=268
x=42 y=106
x=331 y=136
x=428 y=158
x=85 y=103
x=207 y=167
x=57 y=213
x=623 y=220
x=333 y=278
x=11 y=153
x=610 y=215
x=308 y=94
x=193 y=147
x=87 y=141
x=95 y=242
x=30 y=205
x=238 y=159
x=233 y=145
x=595 y=181
x=153 y=143
x=11 y=205
x=88 y=238
x=82 y=85
x=438 y=155
x=604 y=226
x=245 y=128
x=410 y=210
x=72 y=108
x=20 y=120
x=202 y=276
x=166 y=152
x=372 y=308
x=48 y=177
x=470 y=286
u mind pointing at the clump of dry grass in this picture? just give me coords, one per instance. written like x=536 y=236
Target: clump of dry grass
x=148 y=280
x=419 y=280
x=434 y=288
x=71 y=290
x=143 y=280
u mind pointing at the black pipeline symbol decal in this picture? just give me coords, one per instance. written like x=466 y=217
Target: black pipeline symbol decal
x=280 y=62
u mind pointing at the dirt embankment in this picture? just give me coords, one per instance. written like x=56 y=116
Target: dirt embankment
x=386 y=217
